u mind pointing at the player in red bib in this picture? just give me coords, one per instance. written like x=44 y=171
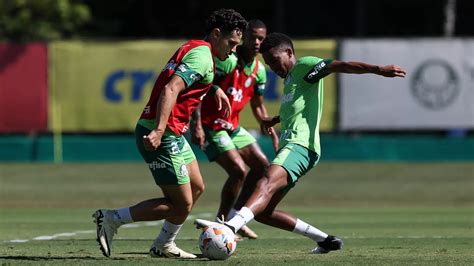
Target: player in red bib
x=242 y=76
x=180 y=87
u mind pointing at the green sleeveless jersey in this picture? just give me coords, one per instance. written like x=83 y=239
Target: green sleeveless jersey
x=302 y=103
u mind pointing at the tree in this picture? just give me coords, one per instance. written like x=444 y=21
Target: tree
x=33 y=20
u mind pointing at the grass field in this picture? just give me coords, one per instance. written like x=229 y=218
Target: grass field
x=387 y=214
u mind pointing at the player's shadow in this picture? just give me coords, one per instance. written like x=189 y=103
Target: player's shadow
x=49 y=258
x=199 y=256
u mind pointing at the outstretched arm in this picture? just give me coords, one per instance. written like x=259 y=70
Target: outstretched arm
x=260 y=113
x=165 y=104
x=362 y=68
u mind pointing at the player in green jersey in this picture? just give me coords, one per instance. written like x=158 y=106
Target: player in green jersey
x=299 y=149
x=242 y=76
x=179 y=88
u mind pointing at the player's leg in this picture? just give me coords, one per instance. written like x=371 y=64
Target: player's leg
x=187 y=171
x=291 y=163
x=168 y=167
x=181 y=198
x=221 y=149
x=258 y=164
x=197 y=183
x=236 y=170
x=283 y=220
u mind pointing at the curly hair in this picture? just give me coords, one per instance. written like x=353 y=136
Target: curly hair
x=276 y=40
x=226 y=20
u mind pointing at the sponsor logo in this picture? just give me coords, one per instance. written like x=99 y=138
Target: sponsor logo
x=288 y=80
x=146 y=110
x=156 y=165
x=224 y=124
x=435 y=84
x=138 y=79
x=171 y=65
x=248 y=82
x=285 y=135
x=287 y=97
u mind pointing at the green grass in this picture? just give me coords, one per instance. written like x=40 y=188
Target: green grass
x=387 y=214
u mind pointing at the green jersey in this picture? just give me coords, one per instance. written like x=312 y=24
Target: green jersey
x=302 y=103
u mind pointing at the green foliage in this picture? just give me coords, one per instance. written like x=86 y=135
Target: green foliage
x=33 y=20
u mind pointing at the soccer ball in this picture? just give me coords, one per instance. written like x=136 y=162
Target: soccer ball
x=217 y=242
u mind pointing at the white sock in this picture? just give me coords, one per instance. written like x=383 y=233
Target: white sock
x=168 y=232
x=122 y=216
x=310 y=231
x=231 y=214
x=241 y=218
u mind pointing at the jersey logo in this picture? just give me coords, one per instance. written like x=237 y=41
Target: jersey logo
x=316 y=73
x=287 y=97
x=248 y=82
x=170 y=66
x=237 y=94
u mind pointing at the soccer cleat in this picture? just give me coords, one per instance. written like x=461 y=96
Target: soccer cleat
x=245 y=231
x=201 y=223
x=106 y=229
x=331 y=243
x=169 y=250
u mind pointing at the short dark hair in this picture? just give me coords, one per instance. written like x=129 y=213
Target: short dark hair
x=227 y=20
x=276 y=40
x=256 y=24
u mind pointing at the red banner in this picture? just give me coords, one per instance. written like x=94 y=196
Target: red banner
x=23 y=87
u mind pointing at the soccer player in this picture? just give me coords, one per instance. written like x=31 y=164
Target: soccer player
x=242 y=76
x=299 y=149
x=179 y=88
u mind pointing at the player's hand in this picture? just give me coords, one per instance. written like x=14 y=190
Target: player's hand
x=268 y=122
x=392 y=71
x=198 y=137
x=223 y=102
x=274 y=136
x=152 y=141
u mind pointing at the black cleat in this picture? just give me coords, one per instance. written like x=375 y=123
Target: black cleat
x=331 y=243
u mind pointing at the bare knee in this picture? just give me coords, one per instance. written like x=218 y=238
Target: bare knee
x=264 y=187
x=198 y=189
x=238 y=173
x=259 y=164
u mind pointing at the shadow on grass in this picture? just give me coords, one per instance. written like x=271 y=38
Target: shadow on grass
x=41 y=258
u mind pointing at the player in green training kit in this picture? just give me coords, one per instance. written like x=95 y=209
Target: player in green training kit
x=299 y=149
x=242 y=76
x=180 y=87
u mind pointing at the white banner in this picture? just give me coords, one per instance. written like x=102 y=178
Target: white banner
x=437 y=93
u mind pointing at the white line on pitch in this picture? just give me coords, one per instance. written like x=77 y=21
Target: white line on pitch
x=75 y=233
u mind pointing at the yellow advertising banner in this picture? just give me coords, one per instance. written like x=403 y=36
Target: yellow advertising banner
x=103 y=86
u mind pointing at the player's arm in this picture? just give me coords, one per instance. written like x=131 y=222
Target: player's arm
x=165 y=104
x=353 y=67
x=260 y=113
x=198 y=136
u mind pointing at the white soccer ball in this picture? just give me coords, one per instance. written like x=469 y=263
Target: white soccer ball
x=217 y=242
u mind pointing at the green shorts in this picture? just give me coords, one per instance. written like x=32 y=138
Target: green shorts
x=168 y=163
x=297 y=161
x=221 y=141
